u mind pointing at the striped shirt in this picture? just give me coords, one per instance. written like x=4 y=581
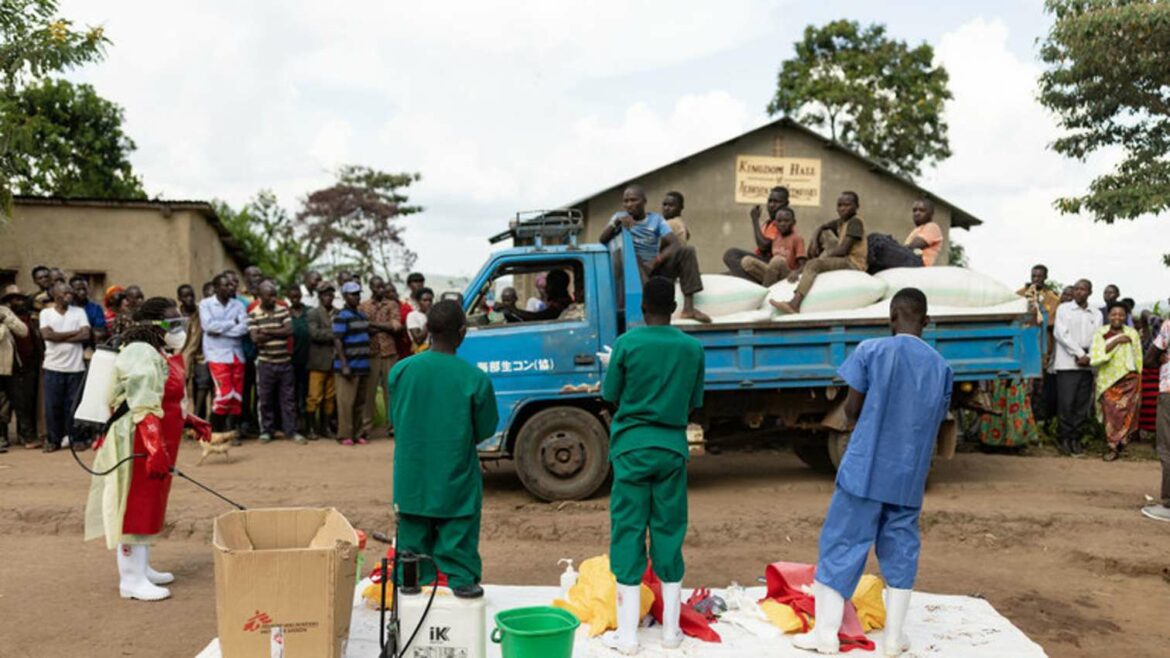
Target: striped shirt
x=352 y=328
x=271 y=350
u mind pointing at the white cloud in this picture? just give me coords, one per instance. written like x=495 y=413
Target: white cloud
x=1003 y=172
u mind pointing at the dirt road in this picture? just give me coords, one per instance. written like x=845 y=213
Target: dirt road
x=1055 y=544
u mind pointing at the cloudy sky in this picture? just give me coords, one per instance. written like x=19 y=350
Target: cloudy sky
x=509 y=105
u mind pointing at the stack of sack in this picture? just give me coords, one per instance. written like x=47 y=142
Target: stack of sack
x=849 y=294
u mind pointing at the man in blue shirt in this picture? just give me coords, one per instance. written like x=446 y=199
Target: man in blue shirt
x=899 y=392
x=93 y=311
x=351 y=367
x=659 y=252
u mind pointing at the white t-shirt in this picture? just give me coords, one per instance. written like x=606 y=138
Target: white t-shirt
x=64 y=357
x=416 y=320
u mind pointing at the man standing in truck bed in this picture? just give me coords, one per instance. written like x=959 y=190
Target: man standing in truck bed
x=655 y=377
x=658 y=250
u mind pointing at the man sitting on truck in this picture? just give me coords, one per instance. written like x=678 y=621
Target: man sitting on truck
x=658 y=250
x=836 y=245
x=765 y=235
x=899 y=392
x=655 y=377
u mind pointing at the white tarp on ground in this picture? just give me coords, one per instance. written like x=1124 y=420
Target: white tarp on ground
x=950 y=626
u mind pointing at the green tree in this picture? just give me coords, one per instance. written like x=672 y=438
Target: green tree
x=957 y=255
x=352 y=224
x=69 y=142
x=34 y=42
x=875 y=94
x=270 y=237
x=358 y=218
x=1107 y=81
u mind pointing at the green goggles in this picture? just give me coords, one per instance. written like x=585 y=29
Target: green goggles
x=169 y=325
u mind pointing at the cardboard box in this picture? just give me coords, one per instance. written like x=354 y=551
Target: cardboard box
x=284 y=574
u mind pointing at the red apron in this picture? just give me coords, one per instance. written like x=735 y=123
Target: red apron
x=146 y=502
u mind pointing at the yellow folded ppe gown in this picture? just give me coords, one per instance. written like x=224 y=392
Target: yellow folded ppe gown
x=867 y=598
x=593 y=600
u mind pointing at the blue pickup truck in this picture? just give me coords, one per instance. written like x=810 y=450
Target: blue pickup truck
x=763 y=377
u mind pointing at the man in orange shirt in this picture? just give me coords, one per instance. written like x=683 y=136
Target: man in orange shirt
x=787 y=252
x=926 y=239
x=733 y=258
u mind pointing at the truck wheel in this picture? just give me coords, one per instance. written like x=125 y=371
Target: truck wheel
x=562 y=454
x=838 y=441
x=814 y=452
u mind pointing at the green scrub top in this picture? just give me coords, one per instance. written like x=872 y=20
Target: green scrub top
x=441 y=407
x=655 y=377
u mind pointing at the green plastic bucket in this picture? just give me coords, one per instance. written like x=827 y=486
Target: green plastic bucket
x=536 y=632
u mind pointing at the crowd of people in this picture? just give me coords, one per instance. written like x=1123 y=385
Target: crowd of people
x=304 y=361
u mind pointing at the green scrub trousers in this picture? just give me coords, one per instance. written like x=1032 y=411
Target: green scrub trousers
x=649 y=492
x=454 y=543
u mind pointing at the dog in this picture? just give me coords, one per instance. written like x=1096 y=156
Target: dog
x=219 y=444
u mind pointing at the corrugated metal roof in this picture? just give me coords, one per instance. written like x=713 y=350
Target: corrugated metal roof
x=959 y=217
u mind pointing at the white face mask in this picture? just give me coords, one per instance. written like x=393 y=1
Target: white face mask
x=175 y=340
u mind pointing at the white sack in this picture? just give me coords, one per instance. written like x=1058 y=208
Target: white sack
x=839 y=290
x=723 y=295
x=947 y=286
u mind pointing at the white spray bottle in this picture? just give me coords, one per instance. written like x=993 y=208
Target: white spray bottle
x=568 y=578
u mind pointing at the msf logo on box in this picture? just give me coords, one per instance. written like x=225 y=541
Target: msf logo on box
x=257 y=622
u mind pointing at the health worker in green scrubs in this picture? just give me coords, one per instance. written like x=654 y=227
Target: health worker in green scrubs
x=441 y=407
x=655 y=377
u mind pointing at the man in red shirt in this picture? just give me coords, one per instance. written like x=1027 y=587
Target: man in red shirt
x=733 y=258
x=402 y=342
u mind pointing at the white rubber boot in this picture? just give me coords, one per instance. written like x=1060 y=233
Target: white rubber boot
x=897 y=603
x=625 y=639
x=132 y=569
x=830 y=608
x=672 y=636
x=157 y=577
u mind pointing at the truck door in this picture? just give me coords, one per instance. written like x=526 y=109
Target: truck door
x=533 y=356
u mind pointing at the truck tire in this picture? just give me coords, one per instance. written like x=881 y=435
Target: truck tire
x=814 y=452
x=838 y=441
x=562 y=453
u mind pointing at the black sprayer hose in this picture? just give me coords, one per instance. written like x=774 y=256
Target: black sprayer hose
x=142 y=455
x=73 y=451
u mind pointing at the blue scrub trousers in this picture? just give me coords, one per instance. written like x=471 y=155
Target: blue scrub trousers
x=852 y=525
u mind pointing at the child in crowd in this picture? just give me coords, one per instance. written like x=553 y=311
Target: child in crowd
x=899 y=392
x=655 y=377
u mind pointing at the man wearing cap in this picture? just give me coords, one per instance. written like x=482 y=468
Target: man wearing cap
x=321 y=397
x=351 y=367
x=11 y=329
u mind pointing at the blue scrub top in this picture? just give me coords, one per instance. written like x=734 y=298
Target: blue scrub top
x=907 y=387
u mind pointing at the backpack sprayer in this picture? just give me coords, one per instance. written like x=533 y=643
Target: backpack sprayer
x=389 y=635
x=94 y=411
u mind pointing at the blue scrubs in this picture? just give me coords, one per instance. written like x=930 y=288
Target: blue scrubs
x=880 y=483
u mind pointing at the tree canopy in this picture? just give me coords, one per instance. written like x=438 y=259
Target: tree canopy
x=68 y=142
x=875 y=94
x=352 y=224
x=1108 y=81
x=55 y=137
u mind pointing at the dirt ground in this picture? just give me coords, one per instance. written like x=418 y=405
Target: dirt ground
x=1055 y=544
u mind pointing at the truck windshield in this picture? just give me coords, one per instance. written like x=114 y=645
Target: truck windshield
x=531 y=291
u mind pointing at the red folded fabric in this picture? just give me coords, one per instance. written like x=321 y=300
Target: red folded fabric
x=691 y=622
x=785 y=580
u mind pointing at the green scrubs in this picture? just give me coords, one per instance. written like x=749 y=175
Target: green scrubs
x=655 y=377
x=441 y=407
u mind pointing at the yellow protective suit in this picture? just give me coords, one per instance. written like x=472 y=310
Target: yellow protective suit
x=593 y=600
x=867 y=598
